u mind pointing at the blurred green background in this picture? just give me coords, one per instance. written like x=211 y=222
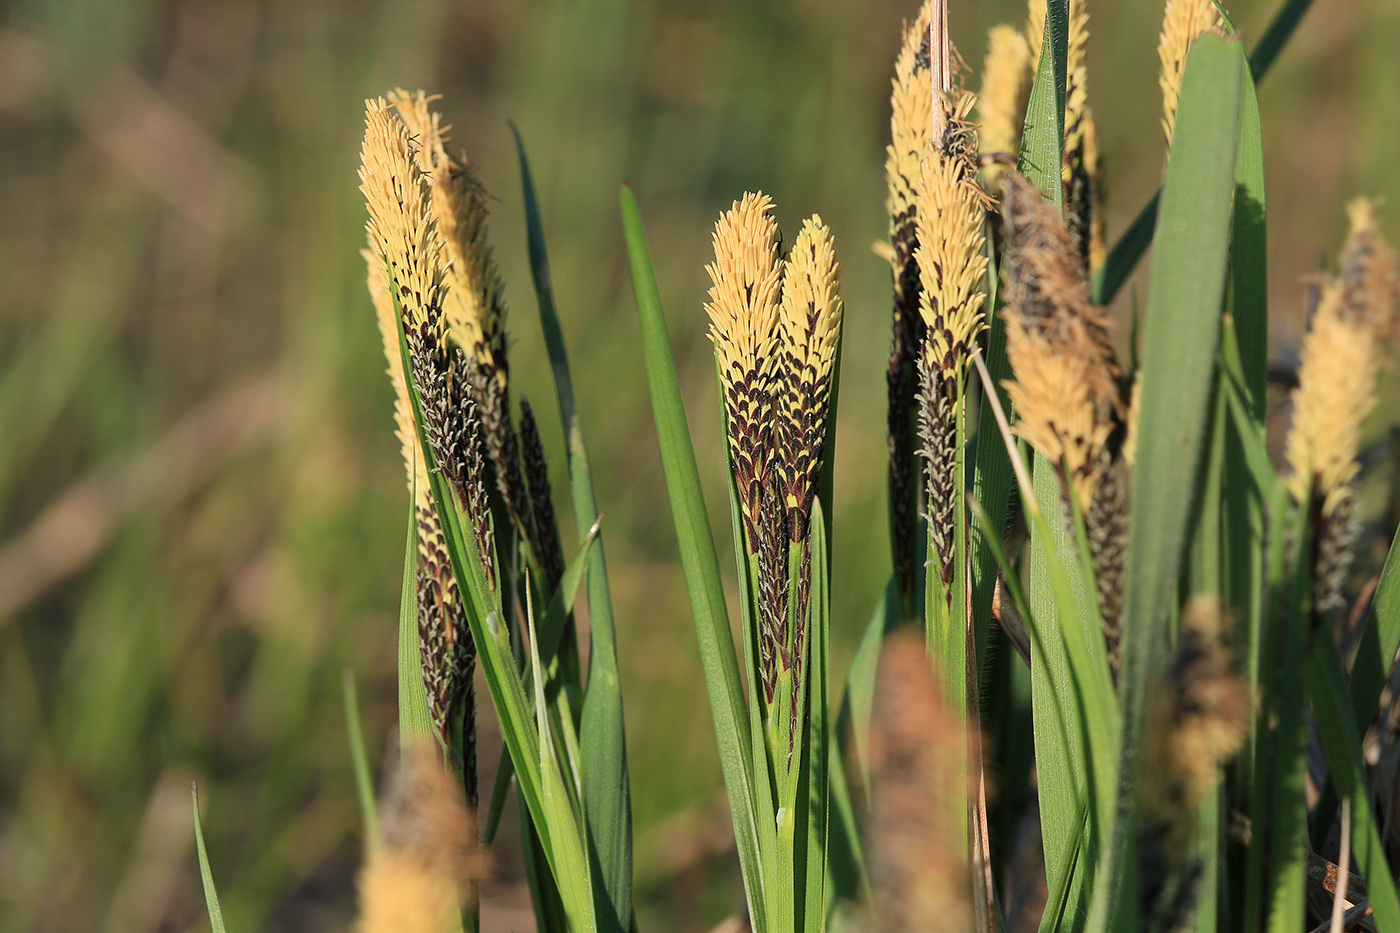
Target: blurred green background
x=201 y=501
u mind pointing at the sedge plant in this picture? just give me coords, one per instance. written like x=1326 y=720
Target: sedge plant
x=1103 y=591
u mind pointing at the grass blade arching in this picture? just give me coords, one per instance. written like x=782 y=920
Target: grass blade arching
x=211 y=896
x=364 y=784
x=607 y=798
x=697 y=558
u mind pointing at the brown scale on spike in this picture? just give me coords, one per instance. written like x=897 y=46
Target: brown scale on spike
x=1067 y=394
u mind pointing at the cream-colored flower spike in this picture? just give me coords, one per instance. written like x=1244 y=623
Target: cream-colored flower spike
x=1183 y=22
x=1001 y=103
x=474 y=306
x=407 y=433
x=810 y=311
x=743 y=312
x=911 y=123
x=951 y=254
x=400 y=228
x=809 y=328
x=1336 y=391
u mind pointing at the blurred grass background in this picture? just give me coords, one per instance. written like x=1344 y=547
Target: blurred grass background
x=201 y=502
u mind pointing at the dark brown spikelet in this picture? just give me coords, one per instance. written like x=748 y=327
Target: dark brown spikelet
x=938 y=448
x=809 y=329
x=1106 y=524
x=743 y=311
x=447 y=651
x=772 y=544
x=543 y=525
x=1197 y=719
x=919 y=879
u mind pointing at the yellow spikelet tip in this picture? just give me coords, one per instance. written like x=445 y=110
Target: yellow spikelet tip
x=474 y=304
x=1183 y=22
x=1335 y=393
x=911 y=121
x=1035 y=30
x=744 y=296
x=1369 y=273
x=402 y=234
x=1001 y=103
x=951 y=213
x=810 y=311
x=1076 y=76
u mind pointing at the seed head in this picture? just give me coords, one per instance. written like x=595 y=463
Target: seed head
x=1183 y=22
x=743 y=311
x=1066 y=391
x=809 y=329
x=1001 y=102
x=951 y=208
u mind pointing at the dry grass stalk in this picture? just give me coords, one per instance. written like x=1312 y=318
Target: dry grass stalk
x=919 y=880
x=775 y=326
x=1341 y=356
x=911 y=123
x=406 y=268
x=1197 y=719
x=951 y=217
x=1001 y=101
x=1183 y=22
x=429 y=859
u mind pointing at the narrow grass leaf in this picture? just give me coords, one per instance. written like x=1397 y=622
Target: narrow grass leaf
x=364 y=785
x=211 y=896
x=565 y=848
x=1180 y=332
x=818 y=735
x=1124 y=256
x=1249 y=286
x=607 y=797
x=697 y=558
x=415 y=722
x=853 y=720
x=1379 y=642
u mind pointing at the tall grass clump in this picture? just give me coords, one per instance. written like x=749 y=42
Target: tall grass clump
x=1082 y=702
